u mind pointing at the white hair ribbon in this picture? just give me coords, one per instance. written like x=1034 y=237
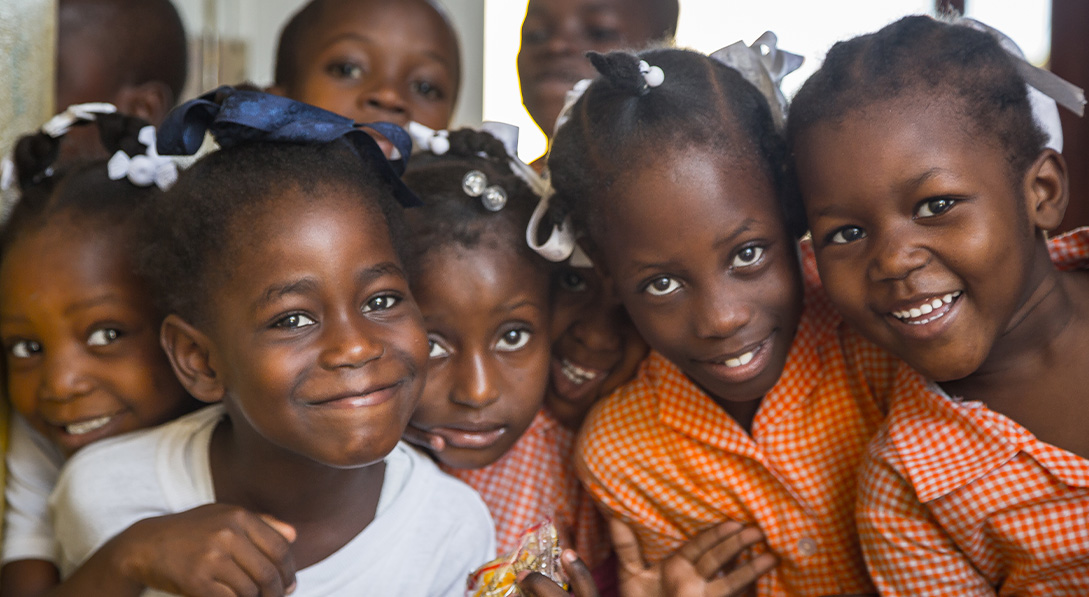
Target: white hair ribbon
x=144 y=170
x=560 y=244
x=569 y=100
x=7 y=174
x=59 y=124
x=764 y=65
x=1045 y=88
x=428 y=139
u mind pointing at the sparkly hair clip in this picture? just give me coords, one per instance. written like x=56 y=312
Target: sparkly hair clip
x=653 y=76
x=475 y=184
x=1046 y=90
x=764 y=65
x=144 y=169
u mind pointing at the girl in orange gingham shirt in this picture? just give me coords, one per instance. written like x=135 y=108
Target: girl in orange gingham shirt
x=756 y=403
x=485 y=298
x=931 y=176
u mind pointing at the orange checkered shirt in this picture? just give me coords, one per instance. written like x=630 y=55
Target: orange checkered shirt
x=536 y=480
x=956 y=499
x=662 y=456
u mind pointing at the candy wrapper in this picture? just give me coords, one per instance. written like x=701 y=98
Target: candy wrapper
x=539 y=551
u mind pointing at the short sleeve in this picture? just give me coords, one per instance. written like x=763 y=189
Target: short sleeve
x=906 y=550
x=32 y=469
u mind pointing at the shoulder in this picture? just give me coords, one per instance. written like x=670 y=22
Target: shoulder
x=439 y=502
x=623 y=420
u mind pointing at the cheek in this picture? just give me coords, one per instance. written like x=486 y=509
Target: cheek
x=435 y=115
x=435 y=397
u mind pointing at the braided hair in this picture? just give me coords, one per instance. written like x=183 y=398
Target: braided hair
x=925 y=56
x=620 y=124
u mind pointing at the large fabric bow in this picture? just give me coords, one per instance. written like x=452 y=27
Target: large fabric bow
x=236 y=117
x=764 y=65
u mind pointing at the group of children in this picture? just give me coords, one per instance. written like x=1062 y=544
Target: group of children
x=721 y=356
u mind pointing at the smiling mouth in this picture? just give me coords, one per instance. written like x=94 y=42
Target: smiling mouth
x=473 y=438
x=929 y=310
x=88 y=425
x=576 y=374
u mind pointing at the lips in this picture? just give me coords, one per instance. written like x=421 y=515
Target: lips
x=742 y=365
x=574 y=382
x=73 y=435
x=359 y=398
x=471 y=436
x=928 y=309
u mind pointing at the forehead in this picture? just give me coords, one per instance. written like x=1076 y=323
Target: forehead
x=413 y=23
x=65 y=253
x=637 y=18
x=487 y=274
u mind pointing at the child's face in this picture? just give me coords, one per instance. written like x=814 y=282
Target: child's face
x=704 y=265
x=81 y=338
x=487 y=317
x=380 y=60
x=313 y=335
x=595 y=346
x=556 y=35
x=923 y=241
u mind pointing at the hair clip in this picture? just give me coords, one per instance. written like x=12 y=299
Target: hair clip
x=59 y=124
x=428 y=139
x=7 y=174
x=653 y=76
x=764 y=65
x=1045 y=89
x=475 y=184
x=145 y=169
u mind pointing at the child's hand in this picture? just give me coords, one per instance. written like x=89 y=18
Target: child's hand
x=703 y=567
x=536 y=584
x=209 y=551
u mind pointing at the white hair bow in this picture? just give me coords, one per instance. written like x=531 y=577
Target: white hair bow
x=144 y=169
x=764 y=65
x=59 y=124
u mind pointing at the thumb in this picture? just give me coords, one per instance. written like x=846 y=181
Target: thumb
x=626 y=544
x=281 y=527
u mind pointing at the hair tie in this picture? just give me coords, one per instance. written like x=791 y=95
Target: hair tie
x=238 y=117
x=764 y=65
x=428 y=139
x=653 y=76
x=144 y=169
x=1045 y=88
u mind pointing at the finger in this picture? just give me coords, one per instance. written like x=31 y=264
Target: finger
x=742 y=577
x=263 y=573
x=419 y=437
x=287 y=531
x=626 y=545
x=536 y=584
x=269 y=553
x=726 y=551
x=709 y=538
x=582 y=581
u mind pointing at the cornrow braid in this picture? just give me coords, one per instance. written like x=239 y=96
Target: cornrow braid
x=619 y=125
x=921 y=55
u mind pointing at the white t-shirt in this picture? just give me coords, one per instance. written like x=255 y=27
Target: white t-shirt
x=429 y=531
x=33 y=466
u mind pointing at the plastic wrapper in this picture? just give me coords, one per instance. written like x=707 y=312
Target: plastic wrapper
x=539 y=551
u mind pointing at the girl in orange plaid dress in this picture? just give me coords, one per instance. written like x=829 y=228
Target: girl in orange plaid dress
x=485 y=296
x=756 y=402
x=930 y=189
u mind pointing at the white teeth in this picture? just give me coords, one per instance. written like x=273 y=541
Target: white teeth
x=88 y=426
x=575 y=374
x=926 y=309
x=744 y=359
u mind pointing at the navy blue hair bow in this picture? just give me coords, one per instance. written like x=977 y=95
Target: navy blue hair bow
x=235 y=117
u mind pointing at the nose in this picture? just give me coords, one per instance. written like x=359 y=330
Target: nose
x=719 y=313
x=387 y=101
x=597 y=327
x=564 y=37
x=474 y=385
x=66 y=376
x=893 y=257
x=348 y=343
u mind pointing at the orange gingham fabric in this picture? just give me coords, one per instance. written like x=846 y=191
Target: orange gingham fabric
x=536 y=480
x=956 y=499
x=662 y=456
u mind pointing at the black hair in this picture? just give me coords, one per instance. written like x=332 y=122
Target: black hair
x=198 y=224
x=451 y=217
x=664 y=14
x=301 y=25
x=83 y=191
x=924 y=56
x=620 y=124
x=144 y=39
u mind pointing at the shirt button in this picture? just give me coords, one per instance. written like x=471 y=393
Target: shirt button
x=807 y=546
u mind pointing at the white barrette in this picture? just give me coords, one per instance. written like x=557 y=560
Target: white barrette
x=428 y=139
x=652 y=75
x=1045 y=88
x=764 y=65
x=7 y=174
x=59 y=124
x=144 y=169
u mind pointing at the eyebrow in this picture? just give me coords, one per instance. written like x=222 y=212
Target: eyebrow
x=351 y=36
x=517 y=305
x=918 y=181
x=727 y=239
x=310 y=285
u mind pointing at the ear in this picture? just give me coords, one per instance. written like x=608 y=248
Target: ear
x=190 y=354
x=150 y=101
x=1046 y=190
